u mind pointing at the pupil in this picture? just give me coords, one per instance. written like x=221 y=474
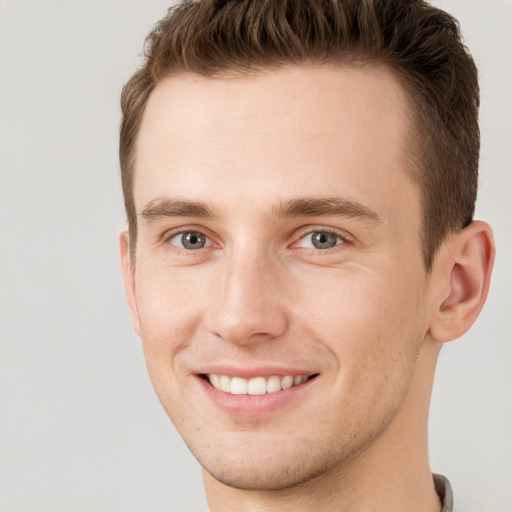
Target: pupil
x=193 y=240
x=323 y=240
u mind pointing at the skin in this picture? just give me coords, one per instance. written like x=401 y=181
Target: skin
x=363 y=316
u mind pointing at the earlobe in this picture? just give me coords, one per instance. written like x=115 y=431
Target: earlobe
x=463 y=276
x=129 y=280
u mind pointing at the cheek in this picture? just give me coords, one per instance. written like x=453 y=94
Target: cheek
x=170 y=306
x=374 y=337
x=371 y=322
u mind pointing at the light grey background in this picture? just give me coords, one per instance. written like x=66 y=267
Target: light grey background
x=81 y=429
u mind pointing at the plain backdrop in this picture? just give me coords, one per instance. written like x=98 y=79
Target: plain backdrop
x=81 y=429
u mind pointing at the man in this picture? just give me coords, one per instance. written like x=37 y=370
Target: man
x=300 y=178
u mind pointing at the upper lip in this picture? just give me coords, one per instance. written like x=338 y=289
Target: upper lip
x=250 y=372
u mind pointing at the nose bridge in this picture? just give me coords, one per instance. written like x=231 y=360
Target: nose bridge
x=248 y=303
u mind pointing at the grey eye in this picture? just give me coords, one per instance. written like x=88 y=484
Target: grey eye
x=323 y=240
x=320 y=240
x=189 y=240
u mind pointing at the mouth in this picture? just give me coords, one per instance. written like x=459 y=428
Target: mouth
x=256 y=385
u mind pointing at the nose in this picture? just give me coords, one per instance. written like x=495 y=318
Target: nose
x=247 y=301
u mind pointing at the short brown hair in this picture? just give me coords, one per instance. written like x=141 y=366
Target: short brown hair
x=420 y=43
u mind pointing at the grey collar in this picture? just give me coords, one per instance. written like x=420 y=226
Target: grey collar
x=444 y=491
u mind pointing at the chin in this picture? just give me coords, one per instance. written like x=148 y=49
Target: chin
x=271 y=466
x=273 y=476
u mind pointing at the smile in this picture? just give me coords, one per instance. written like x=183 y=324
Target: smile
x=256 y=385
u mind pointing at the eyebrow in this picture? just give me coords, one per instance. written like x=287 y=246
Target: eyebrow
x=330 y=206
x=167 y=207
x=300 y=207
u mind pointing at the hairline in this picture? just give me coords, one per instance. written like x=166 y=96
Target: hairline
x=416 y=161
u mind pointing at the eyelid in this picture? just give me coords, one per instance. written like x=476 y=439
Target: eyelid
x=171 y=233
x=300 y=234
x=309 y=230
x=207 y=240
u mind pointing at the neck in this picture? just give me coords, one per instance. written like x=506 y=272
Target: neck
x=391 y=474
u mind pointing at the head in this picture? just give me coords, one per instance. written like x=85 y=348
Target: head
x=420 y=44
x=300 y=179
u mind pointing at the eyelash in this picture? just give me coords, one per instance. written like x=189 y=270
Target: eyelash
x=344 y=238
x=168 y=236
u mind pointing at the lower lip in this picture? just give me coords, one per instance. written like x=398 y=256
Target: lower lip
x=252 y=405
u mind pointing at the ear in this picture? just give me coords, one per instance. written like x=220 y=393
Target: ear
x=462 y=273
x=129 y=280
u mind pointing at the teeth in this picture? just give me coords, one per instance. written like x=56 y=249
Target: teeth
x=215 y=381
x=224 y=383
x=239 y=386
x=299 y=379
x=273 y=384
x=256 y=385
x=287 y=382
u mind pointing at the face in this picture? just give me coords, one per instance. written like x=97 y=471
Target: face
x=279 y=288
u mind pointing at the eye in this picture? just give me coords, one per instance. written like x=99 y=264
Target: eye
x=320 y=240
x=190 y=240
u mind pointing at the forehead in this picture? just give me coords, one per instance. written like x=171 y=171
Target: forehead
x=304 y=130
